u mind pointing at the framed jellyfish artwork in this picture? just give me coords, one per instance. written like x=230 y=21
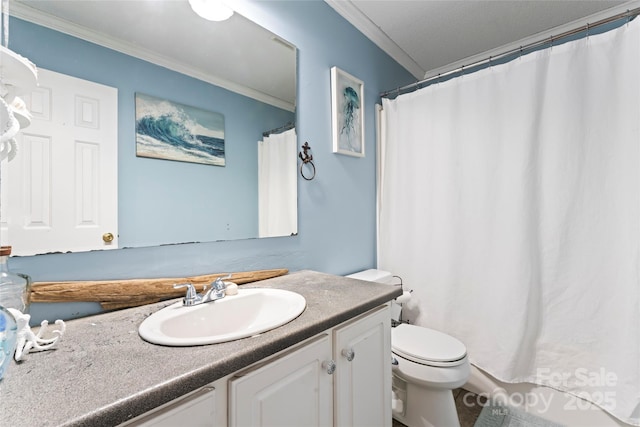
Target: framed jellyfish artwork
x=347 y=115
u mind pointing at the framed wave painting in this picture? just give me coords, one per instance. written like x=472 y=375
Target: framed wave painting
x=347 y=116
x=172 y=131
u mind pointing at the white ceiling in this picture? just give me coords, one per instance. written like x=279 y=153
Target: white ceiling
x=424 y=36
x=235 y=54
x=427 y=36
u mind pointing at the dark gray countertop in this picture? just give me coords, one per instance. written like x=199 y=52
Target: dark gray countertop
x=103 y=373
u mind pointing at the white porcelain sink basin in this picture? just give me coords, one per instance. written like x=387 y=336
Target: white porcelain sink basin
x=248 y=313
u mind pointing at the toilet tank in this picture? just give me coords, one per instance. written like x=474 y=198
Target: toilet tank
x=373 y=275
x=381 y=276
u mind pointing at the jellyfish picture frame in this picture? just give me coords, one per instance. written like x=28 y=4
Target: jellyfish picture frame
x=347 y=114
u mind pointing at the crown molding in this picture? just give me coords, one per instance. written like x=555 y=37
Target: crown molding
x=351 y=13
x=26 y=13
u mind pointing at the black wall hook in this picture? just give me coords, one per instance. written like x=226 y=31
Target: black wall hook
x=306 y=159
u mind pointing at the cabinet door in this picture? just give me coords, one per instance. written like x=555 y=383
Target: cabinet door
x=294 y=390
x=362 y=351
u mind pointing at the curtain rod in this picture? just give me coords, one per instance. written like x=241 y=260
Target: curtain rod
x=282 y=128
x=548 y=40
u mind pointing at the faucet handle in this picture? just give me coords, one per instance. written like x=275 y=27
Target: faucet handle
x=192 y=296
x=219 y=284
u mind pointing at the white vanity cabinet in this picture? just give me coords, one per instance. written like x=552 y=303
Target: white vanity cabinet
x=341 y=377
x=196 y=409
x=362 y=351
x=296 y=389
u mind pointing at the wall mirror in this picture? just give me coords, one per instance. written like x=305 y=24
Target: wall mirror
x=161 y=48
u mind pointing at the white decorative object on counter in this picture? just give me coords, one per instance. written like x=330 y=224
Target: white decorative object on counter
x=20 y=112
x=19 y=75
x=9 y=125
x=28 y=341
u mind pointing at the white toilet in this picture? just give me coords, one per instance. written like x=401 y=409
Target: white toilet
x=427 y=366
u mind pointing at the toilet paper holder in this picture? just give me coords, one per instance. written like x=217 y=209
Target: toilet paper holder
x=400 y=301
x=405 y=294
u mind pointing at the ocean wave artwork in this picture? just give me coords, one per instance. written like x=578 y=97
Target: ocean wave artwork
x=172 y=131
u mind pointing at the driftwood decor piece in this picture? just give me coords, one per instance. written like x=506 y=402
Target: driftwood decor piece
x=116 y=294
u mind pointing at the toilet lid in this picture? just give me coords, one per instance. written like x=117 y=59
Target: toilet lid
x=424 y=345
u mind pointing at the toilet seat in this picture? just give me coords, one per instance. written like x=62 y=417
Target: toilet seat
x=427 y=346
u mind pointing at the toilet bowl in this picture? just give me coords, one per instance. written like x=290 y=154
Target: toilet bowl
x=427 y=365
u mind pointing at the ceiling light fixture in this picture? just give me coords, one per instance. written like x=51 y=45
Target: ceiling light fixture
x=212 y=10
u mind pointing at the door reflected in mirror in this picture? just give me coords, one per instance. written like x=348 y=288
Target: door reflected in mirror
x=234 y=67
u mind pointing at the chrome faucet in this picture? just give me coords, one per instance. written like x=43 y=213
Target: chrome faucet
x=216 y=291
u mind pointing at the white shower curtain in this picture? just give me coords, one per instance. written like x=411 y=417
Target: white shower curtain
x=510 y=203
x=277 y=185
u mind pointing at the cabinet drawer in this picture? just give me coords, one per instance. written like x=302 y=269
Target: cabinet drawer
x=195 y=410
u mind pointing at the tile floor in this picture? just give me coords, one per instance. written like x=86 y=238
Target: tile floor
x=468 y=408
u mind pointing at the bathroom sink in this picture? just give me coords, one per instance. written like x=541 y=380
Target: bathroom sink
x=248 y=313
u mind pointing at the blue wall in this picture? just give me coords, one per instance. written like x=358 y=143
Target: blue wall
x=336 y=211
x=145 y=185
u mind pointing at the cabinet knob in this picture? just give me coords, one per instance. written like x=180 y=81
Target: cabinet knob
x=330 y=366
x=349 y=354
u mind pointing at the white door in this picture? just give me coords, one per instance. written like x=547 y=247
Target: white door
x=362 y=351
x=60 y=191
x=294 y=390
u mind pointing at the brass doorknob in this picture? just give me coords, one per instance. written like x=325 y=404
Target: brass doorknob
x=107 y=237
